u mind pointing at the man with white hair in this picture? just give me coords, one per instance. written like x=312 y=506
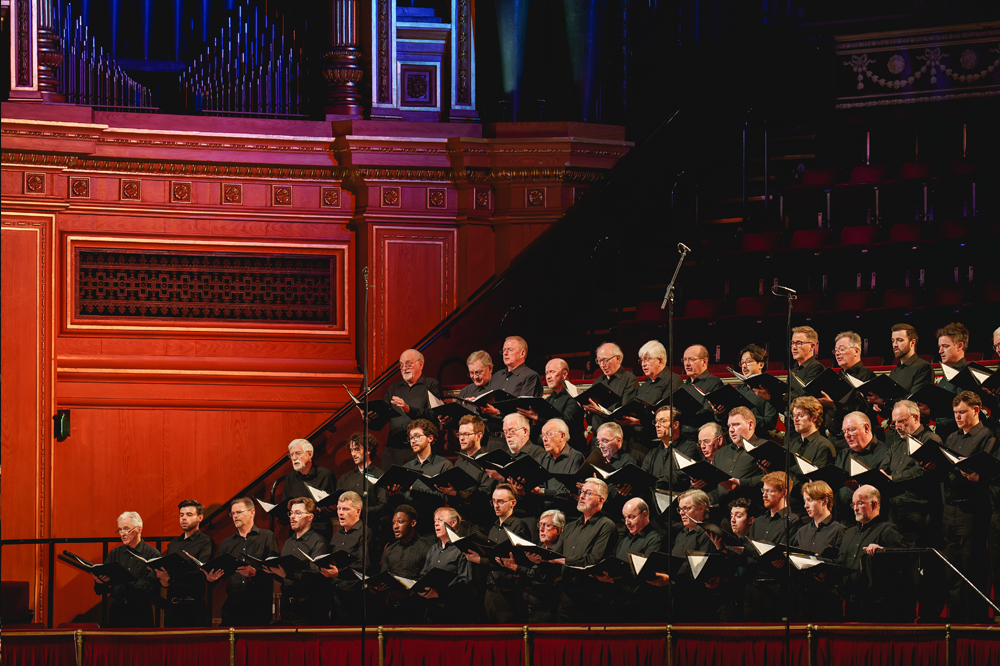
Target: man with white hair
x=660 y=382
x=621 y=382
x=875 y=591
x=132 y=602
x=409 y=398
x=556 y=372
x=862 y=446
x=847 y=353
x=304 y=473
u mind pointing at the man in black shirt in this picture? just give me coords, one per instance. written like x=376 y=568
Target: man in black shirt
x=847 y=352
x=621 y=382
x=304 y=473
x=353 y=538
x=659 y=384
x=304 y=594
x=916 y=511
x=609 y=440
x=451 y=604
x=586 y=540
x=862 y=446
x=806 y=441
x=515 y=378
x=131 y=606
x=952 y=342
x=693 y=600
x=403 y=557
x=503 y=600
x=409 y=400
x=805 y=366
x=660 y=461
x=248 y=591
x=635 y=603
x=473 y=503
x=753 y=362
x=421 y=496
x=558 y=459
x=378 y=510
x=697 y=376
x=967 y=511
x=733 y=459
x=877 y=590
x=516 y=430
x=815 y=600
x=911 y=372
x=556 y=371
x=766 y=592
x=480 y=366
x=186 y=593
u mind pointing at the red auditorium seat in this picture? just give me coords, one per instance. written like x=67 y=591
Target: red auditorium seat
x=847 y=310
x=871 y=361
x=856 y=198
x=703 y=308
x=805 y=201
x=951 y=194
x=900 y=253
x=753 y=259
x=650 y=311
x=746 y=324
x=903 y=198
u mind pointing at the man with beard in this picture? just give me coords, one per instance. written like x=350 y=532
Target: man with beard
x=132 y=602
x=517 y=430
x=621 y=382
x=776 y=525
x=876 y=590
x=360 y=450
x=421 y=496
x=403 y=557
x=304 y=473
x=303 y=594
x=473 y=503
x=807 y=417
x=911 y=372
x=248 y=591
x=186 y=593
x=409 y=398
x=503 y=600
x=586 y=540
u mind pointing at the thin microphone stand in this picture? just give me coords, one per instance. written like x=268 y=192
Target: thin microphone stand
x=668 y=303
x=364 y=471
x=790 y=295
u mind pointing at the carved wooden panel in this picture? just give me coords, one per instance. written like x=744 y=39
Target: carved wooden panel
x=26 y=405
x=414 y=287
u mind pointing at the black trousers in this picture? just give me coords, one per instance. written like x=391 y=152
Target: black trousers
x=246 y=610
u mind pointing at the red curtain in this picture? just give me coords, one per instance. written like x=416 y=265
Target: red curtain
x=473 y=648
x=595 y=647
x=975 y=650
x=309 y=648
x=208 y=650
x=751 y=648
x=870 y=648
x=34 y=650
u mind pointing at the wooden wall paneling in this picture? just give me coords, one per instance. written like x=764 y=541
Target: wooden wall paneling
x=413 y=288
x=476 y=257
x=25 y=327
x=74 y=599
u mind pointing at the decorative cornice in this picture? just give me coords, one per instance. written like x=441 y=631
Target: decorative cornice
x=933 y=37
x=895 y=101
x=531 y=174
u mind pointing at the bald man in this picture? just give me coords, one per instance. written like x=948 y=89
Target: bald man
x=556 y=371
x=409 y=398
x=697 y=377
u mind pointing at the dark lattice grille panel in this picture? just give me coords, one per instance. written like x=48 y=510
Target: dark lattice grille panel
x=144 y=284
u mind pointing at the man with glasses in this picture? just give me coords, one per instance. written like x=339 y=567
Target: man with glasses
x=503 y=600
x=805 y=366
x=304 y=473
x=659 y=383
x=409 y=398
x=698 y=378
x=480 y=366
x=421 y=496
x=516 y=430
x=586 y=540
x=516 y=378
x=875 y=591
x=558 y=459
x=473 y=503
x=131 y=602
x=248 y=591
x=621 y=382
x=660 y=461
x=777 y=525
x=610 y=439
x=862 y=446
x=304 y=594
x=753 y=362
x=847 y=352
x=916 y=511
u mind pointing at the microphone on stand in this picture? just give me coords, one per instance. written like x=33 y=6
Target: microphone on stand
x=778 y=290
x=681 y=247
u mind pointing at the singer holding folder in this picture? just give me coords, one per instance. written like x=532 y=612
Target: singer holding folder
x=132 y=602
